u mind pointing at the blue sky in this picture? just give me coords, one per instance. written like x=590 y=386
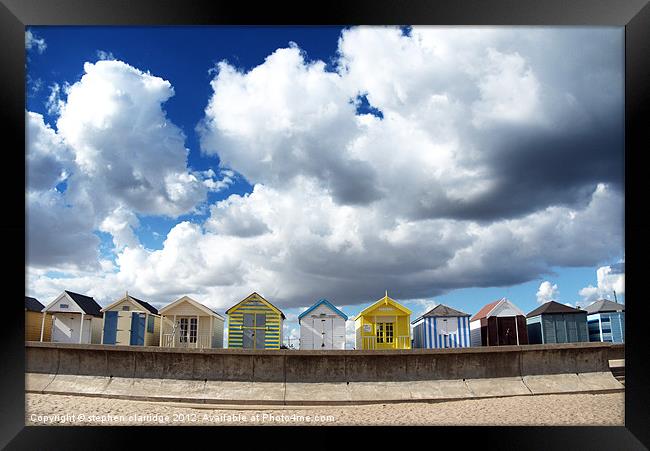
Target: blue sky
x=446 y=168
x=182 y=54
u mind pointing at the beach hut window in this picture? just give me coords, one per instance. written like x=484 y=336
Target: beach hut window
x=188 y=328
x=389 y=332
x=63 y=306
x=193 y=330
x=183 y=326
x=260 y=319
x=385 y=332
x=150 y=321
x=126 y=308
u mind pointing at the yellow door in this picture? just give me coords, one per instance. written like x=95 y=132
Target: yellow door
x=385 y=335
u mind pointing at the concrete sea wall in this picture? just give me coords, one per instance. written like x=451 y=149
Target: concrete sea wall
x=311 y=377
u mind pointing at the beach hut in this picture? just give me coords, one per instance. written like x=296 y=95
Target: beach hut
x=441 y=327
x=322 y=326
x=383 y=325
x=186 y=323
x=553 y=322
x=255 y=323
x=498 y=323
x=76 y=318
x=606 y=321
x=34 y=320
x=130 y=321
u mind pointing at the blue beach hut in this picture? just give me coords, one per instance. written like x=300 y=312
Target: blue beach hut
x=606 y=321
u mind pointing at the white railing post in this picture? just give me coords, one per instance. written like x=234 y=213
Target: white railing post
x=160 y=333
x=43 y=326
x=81 y=329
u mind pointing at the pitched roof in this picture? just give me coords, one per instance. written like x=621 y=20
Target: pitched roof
x=442 y=310
x=142 y=304
x=487 y=308
x=33 y=305
x=146 y=305
x=553 y=307
x=384 y=300
x=192 y=302
x=327 y=303
x=261 y=298
x=85 y=303
x=603 y=306
x=495 y=308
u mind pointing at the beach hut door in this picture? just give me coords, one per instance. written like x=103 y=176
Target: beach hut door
x=249 y=332
x=188 y=328
x=323 y=328
x=254 y=336
x=507 y=330
x=254 y=333
x=63 y=329
x=110 y=327
x=137 y=329
x=260 y=331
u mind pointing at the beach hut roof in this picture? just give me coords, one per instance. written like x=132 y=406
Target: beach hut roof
x=441 y=310
x=553 y=307
x=603 y=306
x=327 y=303
x=85 y=303
x=261 y=298
x=146 y=305
x=33 y=305
x=191 y=301
x=143 y=304
x=487 y=308
x=493 y=308
x=385 y=300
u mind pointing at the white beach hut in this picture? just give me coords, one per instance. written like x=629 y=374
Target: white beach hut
x=186 y=323
x=322 y=326
x=76 y=318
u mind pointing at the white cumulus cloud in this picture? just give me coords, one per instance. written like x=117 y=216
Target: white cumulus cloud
x=118 y=153
x=486 y=168
x=610 y=278
x=547 y=292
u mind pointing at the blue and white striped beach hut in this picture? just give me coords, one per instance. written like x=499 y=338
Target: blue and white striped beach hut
x=441 y=327
x=606 y=321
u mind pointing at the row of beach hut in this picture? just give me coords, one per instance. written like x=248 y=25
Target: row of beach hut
x=255 y=323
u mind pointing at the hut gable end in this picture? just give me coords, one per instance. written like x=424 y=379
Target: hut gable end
x=63 y=304
x=253 y=301
x=188 y=307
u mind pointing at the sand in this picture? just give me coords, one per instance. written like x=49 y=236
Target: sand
x=568 y=409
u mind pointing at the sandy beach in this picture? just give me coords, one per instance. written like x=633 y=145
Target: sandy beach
x=567 y=409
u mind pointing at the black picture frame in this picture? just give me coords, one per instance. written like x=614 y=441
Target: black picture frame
x=633 y=14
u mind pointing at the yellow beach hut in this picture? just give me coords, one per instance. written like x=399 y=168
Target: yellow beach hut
x=386 y=324
x=254 y=323
x=34 y=320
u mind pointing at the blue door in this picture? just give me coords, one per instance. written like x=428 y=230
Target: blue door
x=110 y=327
x=137 y=328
